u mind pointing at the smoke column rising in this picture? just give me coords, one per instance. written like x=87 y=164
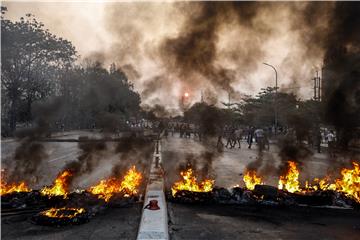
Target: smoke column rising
x=217 y=47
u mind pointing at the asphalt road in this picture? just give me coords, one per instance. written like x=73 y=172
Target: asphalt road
x=227 y=167
x=235 y=222
x=191 y=221
x=115 y=223
x=195 y=221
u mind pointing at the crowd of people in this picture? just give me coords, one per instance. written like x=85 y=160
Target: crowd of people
x=232 y=137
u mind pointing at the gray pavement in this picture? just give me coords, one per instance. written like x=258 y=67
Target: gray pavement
x=228 y=166
x=196 y=221
x=115 y=223
x=234 y=222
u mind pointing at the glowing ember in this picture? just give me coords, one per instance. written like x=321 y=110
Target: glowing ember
x=63 y=212
x=128 y=185
x=60 y=186
x=349 y=183
x=290 y=181
x=251 y=179
x=190 y=183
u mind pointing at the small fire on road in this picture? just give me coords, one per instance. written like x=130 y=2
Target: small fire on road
x=189 y=182
x=7 y=188
x=62 y=212
x=290 y=181
x=348 y=183
x=251 y=179
x=105 y=189
x=60 y=186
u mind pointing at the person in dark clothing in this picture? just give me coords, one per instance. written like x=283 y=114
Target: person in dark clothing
x=318 y=140
x=250 y=136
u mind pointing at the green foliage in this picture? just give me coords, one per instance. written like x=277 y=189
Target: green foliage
x=31 y=58
x=37 y=65
x=92 y=91
x=210 y=118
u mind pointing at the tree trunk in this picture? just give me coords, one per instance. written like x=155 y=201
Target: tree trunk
x=13 y=116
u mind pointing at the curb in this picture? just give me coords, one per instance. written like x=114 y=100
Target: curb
x=154 y=223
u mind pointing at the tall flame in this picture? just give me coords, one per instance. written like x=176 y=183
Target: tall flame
x=6 y=188
x=251 y=179
x=128 y=185
x=60 y=186
x=290 y=181
x=349 y=183
x=189 y=182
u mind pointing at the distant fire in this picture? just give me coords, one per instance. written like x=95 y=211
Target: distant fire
x=60 y=186
x=290 y=180
x=6 y=188
x=62 y=212
x=251 y=179
x=105 y=189
x=189 y=182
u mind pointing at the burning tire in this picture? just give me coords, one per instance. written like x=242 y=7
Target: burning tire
x=61 y=217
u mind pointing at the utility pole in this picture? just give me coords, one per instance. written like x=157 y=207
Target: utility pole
x=229 y=100
x=275 y=98
x=317 y=87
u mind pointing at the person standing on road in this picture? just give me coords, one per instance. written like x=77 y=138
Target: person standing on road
x=266 y=139
x=250 y=136
x=259 y=136
x=318 y=140
x=331 y=142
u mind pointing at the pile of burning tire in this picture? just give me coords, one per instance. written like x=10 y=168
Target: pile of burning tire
x=55 y=206
x=61 y=216
x=343 y=192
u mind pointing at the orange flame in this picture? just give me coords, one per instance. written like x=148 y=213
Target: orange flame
x=6 y=188
x=62 y=212
x=290 y=181
x=349 y=183
x=128 y=185
x=319 y=184
x=60 y=186
x=189 y=183
x=251 y=179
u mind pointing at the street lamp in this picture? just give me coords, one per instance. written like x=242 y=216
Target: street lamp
x=275 y=102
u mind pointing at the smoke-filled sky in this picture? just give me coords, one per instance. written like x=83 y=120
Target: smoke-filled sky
x=168 y=48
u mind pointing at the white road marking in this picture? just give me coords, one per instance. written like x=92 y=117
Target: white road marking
x=75 y=153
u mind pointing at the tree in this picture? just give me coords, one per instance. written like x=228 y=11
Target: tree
x=260 y=110
x=31 y=59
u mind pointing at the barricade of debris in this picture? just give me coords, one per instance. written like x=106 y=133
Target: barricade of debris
x=264 y=195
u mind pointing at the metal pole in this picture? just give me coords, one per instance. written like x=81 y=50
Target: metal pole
x=275 y=98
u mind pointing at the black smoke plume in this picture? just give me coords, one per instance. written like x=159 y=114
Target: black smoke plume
x=341 y=72
x=92 y=153
x=30 y=153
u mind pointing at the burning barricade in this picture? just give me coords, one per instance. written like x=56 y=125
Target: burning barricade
x=57 y=206
x=112 y=188
x=189 y=187
x=343 y=192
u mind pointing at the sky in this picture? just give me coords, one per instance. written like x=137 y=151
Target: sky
x=169 y=48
